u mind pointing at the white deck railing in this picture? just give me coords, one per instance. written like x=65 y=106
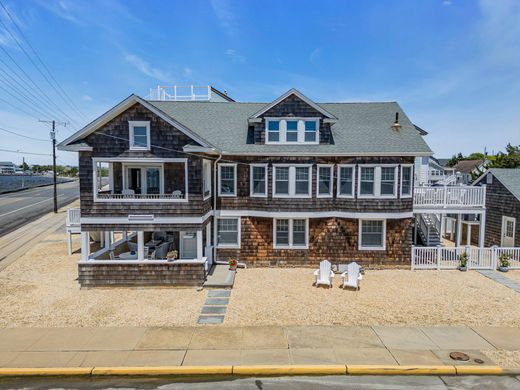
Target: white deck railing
x=141 y=197
x=449 y=197
x=73 y=217
x=448 y=257
x=181 y=93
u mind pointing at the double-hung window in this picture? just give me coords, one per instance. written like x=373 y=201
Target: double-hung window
x=228 y=232
x=139 y=132
x=258 y=181
x=367 y=181
x=406 y=181
x=273 y=131
x=388 y=181
x=227 y=180
x=377 y=181
x=324 y=182
x=291 y=181
x=290 y=233
x=292 y=130
x=206 y=178
x=372 y=234
x=345 y=181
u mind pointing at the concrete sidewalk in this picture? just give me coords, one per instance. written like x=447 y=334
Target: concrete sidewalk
x=193 y=346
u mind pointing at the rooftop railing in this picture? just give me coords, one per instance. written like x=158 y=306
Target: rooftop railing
x=181 y=93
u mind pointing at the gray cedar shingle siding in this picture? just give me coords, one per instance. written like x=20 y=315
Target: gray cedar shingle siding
x=500 y=202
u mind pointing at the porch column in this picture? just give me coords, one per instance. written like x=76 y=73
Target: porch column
x=459 y=230
x=482 y=230
x=415 y=230
x=85 y=245
x=199 y=245
x=108 y=241
x=140 y=245
x=468 y=234
x=125 y=235
x=443 y=222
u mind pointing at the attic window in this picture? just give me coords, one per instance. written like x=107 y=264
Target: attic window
x=139 y=132
x=292 y=130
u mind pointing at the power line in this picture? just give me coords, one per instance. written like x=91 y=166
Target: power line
x=21 y=101
x=22 y=152
x=63 y=94
x=17 y=108
x=25 y=136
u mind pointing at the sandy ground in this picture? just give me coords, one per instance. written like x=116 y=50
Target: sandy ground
x=513 y=274
x=40 y=289
x=504 y=358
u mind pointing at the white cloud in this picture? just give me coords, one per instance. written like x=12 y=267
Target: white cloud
x=447 y=2
x=147 y=69
x=235 y=56
x=224 y=14
x=188 y=71
x=315 y=56
x=86 y=98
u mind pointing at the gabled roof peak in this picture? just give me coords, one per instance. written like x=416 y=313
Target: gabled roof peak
x=295 y=92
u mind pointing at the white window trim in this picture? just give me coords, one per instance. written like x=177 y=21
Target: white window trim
x=377 y=181
x=131 y=125
x=292 y=181
x=251 y=186
x=291 y=245
x=331 y=184
x=207 y=163
x=234 y=165
x=301 y=130
x=401 y=181
x=371 y=248
x=338 y=193
x=143 y=168
x=239 y=236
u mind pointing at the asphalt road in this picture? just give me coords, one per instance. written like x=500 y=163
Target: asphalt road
x=285 y=383
x=19 y=208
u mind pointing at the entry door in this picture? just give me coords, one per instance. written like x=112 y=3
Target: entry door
x=508 y=231
x=134 y=179
x=188 y=245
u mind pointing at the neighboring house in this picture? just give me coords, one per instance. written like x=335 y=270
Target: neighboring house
x=502 y=206
x=284 y=183
x=430 y=171
x=7 y=168
x=467 y=170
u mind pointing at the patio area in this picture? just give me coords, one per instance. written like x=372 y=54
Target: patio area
x=40 y=289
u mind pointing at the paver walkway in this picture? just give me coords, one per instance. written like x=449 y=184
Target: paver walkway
x=500 y=277
x=203 y=345
x=215 y=307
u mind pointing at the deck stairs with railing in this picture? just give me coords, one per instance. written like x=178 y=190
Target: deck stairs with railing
x=429 y=229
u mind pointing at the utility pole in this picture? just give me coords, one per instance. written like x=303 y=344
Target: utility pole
x=53 y=138
x=23 y=171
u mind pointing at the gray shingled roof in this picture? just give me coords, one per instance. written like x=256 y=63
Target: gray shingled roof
x=362 y=128
x=510 y=178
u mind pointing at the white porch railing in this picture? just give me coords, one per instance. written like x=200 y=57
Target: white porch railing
x=449 y=197
x=134 y=197
x=181 y=92
x=73 y=217
x=448 y=257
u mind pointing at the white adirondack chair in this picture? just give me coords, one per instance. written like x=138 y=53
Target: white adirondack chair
x=352 y=277
x=324 y=275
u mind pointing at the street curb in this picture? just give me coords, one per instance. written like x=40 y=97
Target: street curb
x=260 y=370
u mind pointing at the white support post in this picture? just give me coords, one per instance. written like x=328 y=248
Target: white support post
x=482 y=230
x=199 y=245
x=459 y=231
x=468 y=234
x=439 y=248
x=494 y=257
x=413 y=257
x=69 y=234
x=125 y=235
x=467 y=249
x=85 y=245
x=107 y=240
x=140 y=245
x=443 y=222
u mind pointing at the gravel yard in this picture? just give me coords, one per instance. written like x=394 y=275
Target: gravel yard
x=513 y=274
x=40 y=290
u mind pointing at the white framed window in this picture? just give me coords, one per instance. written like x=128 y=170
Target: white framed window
x=139 y=135
x=228 y=232
x=258 y=180
x=292 y=130
x=324 y=181
x=406 y=181
x=372 y=234
x=143 y=179
x=377 y=181
x=227 y=174
x=290 y=233
x=345 y=181
x=293 y=181
x=206 y=179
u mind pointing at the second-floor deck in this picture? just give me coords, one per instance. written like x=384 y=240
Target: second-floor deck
x=449 y=198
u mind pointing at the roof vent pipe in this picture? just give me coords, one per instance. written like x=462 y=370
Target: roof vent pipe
x=397 y=126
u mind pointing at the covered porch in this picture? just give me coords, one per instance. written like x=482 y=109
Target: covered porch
x=145 y=179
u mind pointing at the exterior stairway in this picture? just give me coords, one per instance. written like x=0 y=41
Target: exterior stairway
x=429 y=229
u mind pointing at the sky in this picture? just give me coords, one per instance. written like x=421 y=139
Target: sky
x=454 y=66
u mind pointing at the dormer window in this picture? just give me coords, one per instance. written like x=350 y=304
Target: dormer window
x=292 y=130
x=139 y=135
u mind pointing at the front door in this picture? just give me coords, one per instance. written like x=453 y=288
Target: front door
x=508 y=232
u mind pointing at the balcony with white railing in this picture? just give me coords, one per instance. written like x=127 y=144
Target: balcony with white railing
x=449 y=197
x=181 y=93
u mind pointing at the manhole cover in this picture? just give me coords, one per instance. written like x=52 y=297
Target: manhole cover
x=459 y=356
x=479 y=361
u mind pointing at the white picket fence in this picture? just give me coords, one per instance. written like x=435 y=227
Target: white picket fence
x=448 y=257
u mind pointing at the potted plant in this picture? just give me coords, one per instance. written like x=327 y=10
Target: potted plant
x=504 y=260
x=172 y=255
x=463 y=261
x=233 y=263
